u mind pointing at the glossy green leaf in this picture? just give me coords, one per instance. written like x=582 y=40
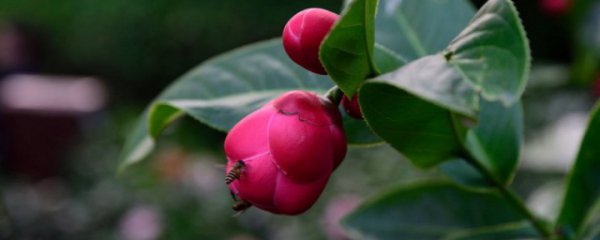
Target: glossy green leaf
x=361 y=134
x=434 y=80
x=583 y=188
x=510 y=231
x=221 y=91
x=493 y=52
x=444 y=81
x=386 y=60
x=435 y=210
x=416 y=28
x=464 y=173
x=497 y=138
x=409 y=109
x=347 y=51
x=420 y=130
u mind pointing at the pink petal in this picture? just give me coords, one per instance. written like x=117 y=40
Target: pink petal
x=338 y=140
x=257 y=181
x=294 y=198
x=249 y=136
x=301 y=150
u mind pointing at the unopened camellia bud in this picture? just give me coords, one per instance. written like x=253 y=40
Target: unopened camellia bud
x=280 y=157
x=351 y=106
x=303 y=34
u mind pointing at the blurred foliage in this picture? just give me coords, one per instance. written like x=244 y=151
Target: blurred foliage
x=138 y=46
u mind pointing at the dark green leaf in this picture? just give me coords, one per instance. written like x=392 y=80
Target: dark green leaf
x=497 y=138
x=444 y=81
x=510 y=231
x=434 y=80
x=421 y=131
x=347 y=51
x=464 y=173
x=358 y=130
x=436 y=210
x=493 y=52
x=583 y=188
x=416 y=28
x=386 y=60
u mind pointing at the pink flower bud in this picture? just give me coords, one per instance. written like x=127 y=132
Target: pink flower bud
x=352 y=107
x=303 y=34
x=289 y=148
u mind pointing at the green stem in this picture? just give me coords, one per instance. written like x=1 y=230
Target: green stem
x=334 y=95
x=509 y=195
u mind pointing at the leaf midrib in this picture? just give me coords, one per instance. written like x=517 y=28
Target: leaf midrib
x=411 y=35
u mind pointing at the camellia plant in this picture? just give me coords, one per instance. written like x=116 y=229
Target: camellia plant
x=437 y=80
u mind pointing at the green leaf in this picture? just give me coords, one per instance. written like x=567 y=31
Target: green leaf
x=493 y=52
x=347 y=51
x=421 y=131
x=433 y=79
x=583 y=187
x=444 y=84
x=416 y=28
x=386 y=60
x=361 y=134
x=591 y=229
x=497 y=138
x=435 y=210
x=464 y=173
x=409 y=109
x=510 y=231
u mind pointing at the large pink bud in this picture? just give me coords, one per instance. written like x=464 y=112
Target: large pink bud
x=289 y=148
x=303 y=34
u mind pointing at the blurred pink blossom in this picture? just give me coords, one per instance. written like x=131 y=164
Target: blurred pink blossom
x=141 y=223
x=337 y=209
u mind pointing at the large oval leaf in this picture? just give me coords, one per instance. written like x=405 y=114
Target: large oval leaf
x=493 y=52
x=420 y=130
x=223 y=90
x=416 y=28
x=347 y=51
x=497 y=138
x=583 y=188
x=444 y=82
x=433 y=79
x=435 y=210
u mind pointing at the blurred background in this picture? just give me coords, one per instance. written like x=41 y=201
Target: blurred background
x=75 y=75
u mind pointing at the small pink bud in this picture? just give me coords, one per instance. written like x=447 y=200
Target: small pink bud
x=289 y=148
x=303 y=34
x=555 y=7
x=352 y=107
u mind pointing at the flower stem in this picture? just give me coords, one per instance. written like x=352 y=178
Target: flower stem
x=510 y=196
x=334 y=95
